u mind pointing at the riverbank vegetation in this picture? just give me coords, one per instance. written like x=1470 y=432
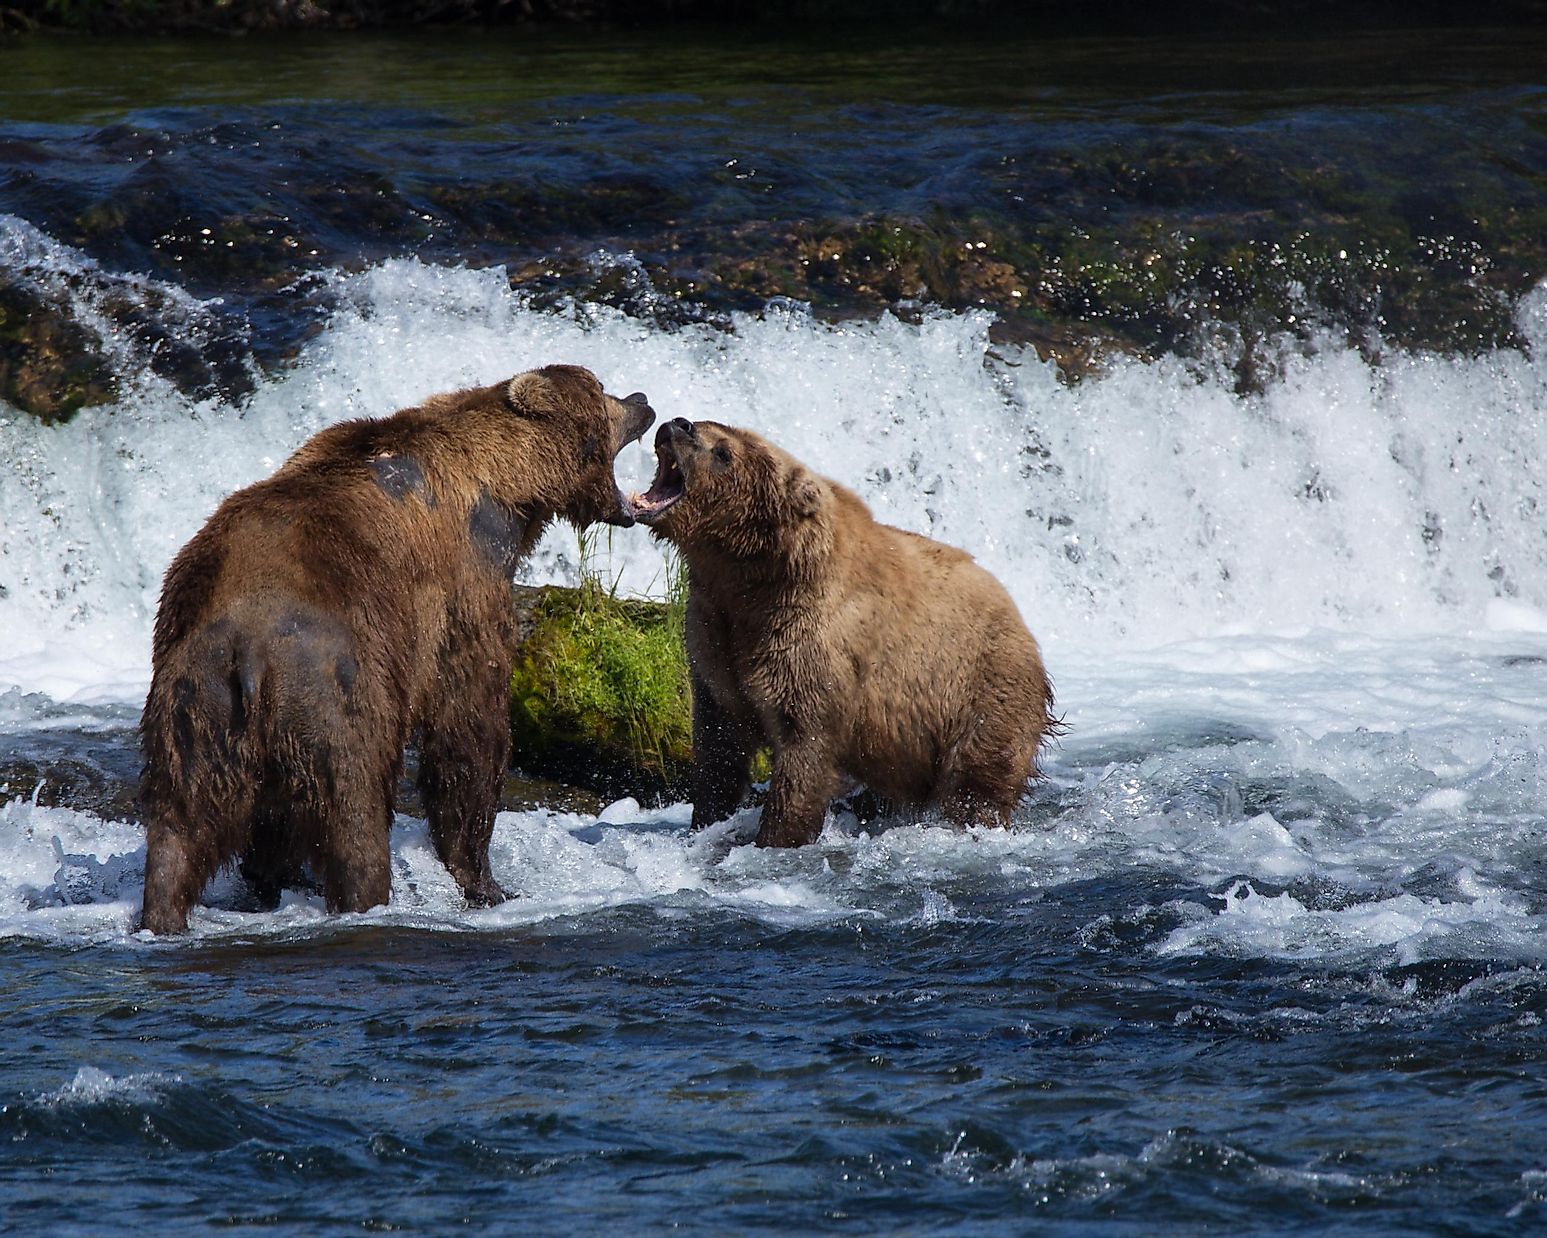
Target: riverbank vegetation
x=241 y=16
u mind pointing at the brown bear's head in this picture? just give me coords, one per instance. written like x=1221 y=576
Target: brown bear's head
x=583 y=430
x=727 y=488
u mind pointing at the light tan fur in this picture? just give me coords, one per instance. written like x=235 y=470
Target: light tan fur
x=855 y=650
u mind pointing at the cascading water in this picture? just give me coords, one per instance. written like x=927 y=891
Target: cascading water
x=1265 y=949
x=1145 y=505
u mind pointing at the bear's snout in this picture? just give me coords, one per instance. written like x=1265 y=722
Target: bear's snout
x=676 y=428
x=638 y=419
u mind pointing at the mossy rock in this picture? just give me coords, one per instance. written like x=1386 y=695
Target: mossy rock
x=599 y=693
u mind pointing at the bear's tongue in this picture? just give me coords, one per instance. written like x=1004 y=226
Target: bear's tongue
x=664 y=490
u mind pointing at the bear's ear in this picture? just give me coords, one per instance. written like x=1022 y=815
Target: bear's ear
x=805 y=494
x=530 y=394
x=540 y=392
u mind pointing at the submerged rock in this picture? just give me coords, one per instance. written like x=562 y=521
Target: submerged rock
x=204 y=241
x=50 y=365
x=73 y=334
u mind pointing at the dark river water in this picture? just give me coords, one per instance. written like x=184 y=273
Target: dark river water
x=1226 y=355
x=710 y=1073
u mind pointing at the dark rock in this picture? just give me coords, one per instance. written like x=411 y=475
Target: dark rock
x=50 y=364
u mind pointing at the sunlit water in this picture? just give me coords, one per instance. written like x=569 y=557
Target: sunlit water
x=1264 y=951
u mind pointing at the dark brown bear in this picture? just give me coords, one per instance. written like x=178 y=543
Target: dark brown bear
x=323 y=615
x=854 y=650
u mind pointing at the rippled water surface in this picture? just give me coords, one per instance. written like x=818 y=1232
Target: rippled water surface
x=669 y=1067
x=1262 y=954
x=1226 y=971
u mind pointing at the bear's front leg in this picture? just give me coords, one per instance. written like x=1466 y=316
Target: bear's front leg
x=804 y=783
x=265 y=864
x=722 y=758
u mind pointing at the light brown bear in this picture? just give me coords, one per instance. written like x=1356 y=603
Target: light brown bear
x=322 y=616
x=854 y=650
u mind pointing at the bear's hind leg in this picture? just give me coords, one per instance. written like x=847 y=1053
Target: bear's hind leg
x=358 y=876
x=194 y=824
x=176 y=871
x=461 y=796
x=989 y=773
x=462 y=763
x=979 y=806
x=197 y=791
x=189 y=834
x=355 y=830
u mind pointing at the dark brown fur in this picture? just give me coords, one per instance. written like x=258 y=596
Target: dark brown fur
x=854 y=650
x=322 y=615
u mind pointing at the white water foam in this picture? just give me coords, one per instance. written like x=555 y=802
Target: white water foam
x=1147 y=505
x=1405 y=929
x=1325 y=839
x=1301 y=636
x=96 y=1087
x=1101 y=1176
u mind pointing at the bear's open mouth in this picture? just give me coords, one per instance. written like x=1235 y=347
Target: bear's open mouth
x=664 y=490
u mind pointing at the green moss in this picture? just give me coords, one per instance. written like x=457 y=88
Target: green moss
x=600 y=695
x=600 y=690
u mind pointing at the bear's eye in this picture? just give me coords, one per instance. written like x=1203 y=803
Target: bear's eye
x=722 y=453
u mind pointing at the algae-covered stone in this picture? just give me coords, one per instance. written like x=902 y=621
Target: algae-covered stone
x=599 y=694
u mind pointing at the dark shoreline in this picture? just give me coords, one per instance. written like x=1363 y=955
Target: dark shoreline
x=1052 y=17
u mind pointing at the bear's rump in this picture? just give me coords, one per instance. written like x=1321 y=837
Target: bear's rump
x=276 y=698
x=954 y=695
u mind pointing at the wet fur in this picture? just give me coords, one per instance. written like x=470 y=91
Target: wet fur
x=323 y=615
x=855 y=650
